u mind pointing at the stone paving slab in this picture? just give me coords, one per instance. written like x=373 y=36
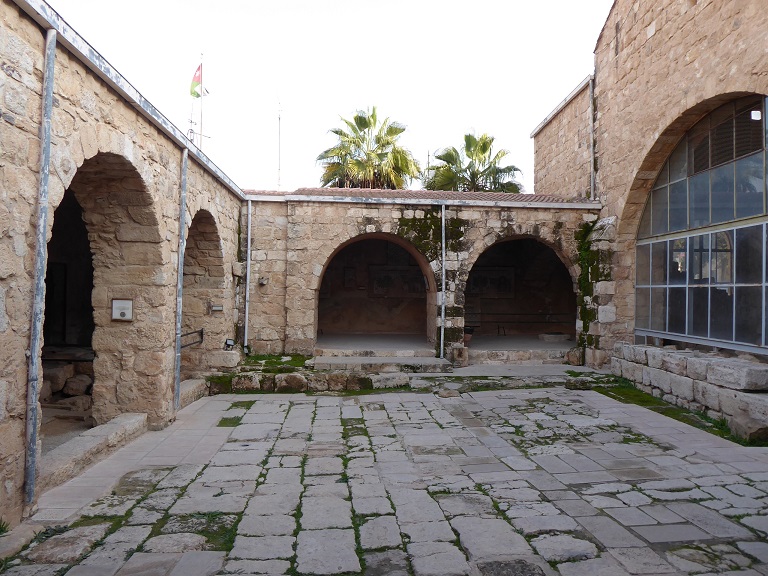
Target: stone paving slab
x=523 y=482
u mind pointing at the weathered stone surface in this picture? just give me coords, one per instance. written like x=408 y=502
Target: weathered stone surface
x=510 y=568
x=327 y=552
x=388 y=563
x=738 y=374
x=487 y=538
x=562 y=548
x=58 y=374
x=246 y=382
x=68 y=547
x=437 y=559
x=290 y=383
x=181 y=542
x=77 y=385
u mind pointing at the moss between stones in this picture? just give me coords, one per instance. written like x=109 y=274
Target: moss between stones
x=595 y=267
x=426 y=233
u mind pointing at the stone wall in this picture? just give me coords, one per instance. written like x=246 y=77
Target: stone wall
x=295 y=240
x=735 y=389
x=125 y=172
x=660 y=66
x=562 y=150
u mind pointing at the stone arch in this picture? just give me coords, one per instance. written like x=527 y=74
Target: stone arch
x=640 y=186
x=519 y=285
x=399 y=283
x=204 y=301
x=131 y=261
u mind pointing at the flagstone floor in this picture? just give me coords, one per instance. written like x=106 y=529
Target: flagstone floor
x=509 y=483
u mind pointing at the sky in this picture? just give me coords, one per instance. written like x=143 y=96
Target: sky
x=282 y=73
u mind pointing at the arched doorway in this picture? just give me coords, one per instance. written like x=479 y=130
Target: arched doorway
x=204 y=314
x=107 y=255
x=377 y=285
x=519 y=288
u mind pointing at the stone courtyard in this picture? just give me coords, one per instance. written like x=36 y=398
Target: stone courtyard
x=538 y=481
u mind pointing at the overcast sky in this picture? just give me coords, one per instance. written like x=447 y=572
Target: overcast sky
x=441 y=67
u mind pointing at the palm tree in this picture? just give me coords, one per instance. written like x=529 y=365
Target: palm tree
x=367 y=155
x=474 y=169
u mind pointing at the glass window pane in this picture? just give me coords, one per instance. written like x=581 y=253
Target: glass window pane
x=749 y=255
x=677 y=266
x=750 y=175
x=676 y=310
x=721 y=312
x=721 y=141
x=660 y=217
x=722 y=194
x=699 y=200
x=698 y=147
x=749 y=316
x=678 y=205
x=659 y=263
x=722 y=257
x=663 y=177
x=659 y=309
x=698 y=311
x=642 y=308
x=643 y=265
x=678 y=162
x=749 y=129
x=645 y=222
x=698 y=259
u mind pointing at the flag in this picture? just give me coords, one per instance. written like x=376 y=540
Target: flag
x=197 y=80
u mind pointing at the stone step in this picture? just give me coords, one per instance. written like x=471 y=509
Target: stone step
x=70 y=458
x=191 y=390
x=375 y=353
x=519 y=357
x=378 y=364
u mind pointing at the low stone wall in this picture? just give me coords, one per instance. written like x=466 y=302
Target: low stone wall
x=732 y=388
x=337 y=381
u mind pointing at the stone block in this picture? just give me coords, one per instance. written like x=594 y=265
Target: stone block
x=681 y=386
x=290 y=383
x=749 y=428
x=337 y=381
x=78 y=385
x=460 y=355
x=738 y=374
x=246 y=382
x=45 y=392
x=575 y=356
x=222 y=358
x=706 y=394
x=57 y=374
x=632 y=371
x=675 y=362
x=616 y=366
x=658 y=379
x=77 y=403
x=636 y=354
x=697 y=367
x=317 y=382
x=654 y=357
x=618 y=350
x=391 y=380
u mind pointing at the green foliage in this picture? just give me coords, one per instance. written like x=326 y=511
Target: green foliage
x=275 y=360
x=475 y=168
x=4 y=526
x=367 y=155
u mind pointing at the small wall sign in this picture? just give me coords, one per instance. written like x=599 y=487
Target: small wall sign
x=122 y=310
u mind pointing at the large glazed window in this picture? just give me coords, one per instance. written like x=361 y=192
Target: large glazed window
x=701 y=248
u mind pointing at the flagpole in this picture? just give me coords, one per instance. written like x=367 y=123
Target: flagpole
x=279 y=142
x=202 y=94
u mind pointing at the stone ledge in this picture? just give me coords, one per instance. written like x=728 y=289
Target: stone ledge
x=729 y=388
x=69 y=459
x=192 y=390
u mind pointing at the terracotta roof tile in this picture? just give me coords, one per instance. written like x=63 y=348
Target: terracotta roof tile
x=417 y=195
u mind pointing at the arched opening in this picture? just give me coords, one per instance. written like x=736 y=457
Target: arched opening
x=110 y=287
x=378 y=287
x=700 y=244
x=68 y=327
x=203 y=307
x=518 y=291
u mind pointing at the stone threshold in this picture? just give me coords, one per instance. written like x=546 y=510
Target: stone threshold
x=69 y=459
x=378 y=364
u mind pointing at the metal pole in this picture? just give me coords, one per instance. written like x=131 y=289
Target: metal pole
x=592 y=174
x=180 y=278
x=442 y=295
x=246 y=321
x=38 y=304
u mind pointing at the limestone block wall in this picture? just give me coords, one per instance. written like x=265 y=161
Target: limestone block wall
x=294 y=241
x=732 y=388
x=660 y=66
x=126 y=175
x=562 y=150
